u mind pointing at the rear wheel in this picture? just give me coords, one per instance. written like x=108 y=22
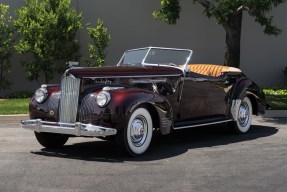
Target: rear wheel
x=244 y=119
x=136 y=137
x=51 y=140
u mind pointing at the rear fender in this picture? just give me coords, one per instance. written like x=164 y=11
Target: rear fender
x=245 y=87
x=240 y=88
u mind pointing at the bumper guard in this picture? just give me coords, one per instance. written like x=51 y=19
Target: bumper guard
x=76 y=129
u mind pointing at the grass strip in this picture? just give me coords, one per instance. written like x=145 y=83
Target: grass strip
x=14 y=106
x=277 y=102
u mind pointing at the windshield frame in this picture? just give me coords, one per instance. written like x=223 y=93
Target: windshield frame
x=181 y=66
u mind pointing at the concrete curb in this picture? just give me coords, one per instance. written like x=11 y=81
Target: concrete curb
x=275 y=113
x=18 y=118
x=13 y=118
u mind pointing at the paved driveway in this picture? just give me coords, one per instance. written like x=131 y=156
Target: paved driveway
x=199 y=159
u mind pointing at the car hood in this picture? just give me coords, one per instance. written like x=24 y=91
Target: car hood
x=124 y=71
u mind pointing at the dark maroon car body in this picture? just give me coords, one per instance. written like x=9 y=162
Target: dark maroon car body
x=175 y=98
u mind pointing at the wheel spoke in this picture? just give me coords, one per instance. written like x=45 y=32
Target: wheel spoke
x=138 y=131
x=243 y=117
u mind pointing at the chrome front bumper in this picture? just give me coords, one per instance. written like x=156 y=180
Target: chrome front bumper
x=76 y=129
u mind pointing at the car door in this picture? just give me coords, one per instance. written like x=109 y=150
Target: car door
x=203 y=97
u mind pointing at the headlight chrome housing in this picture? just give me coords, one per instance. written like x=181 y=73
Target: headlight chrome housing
x=103 y=98
x=41 y=95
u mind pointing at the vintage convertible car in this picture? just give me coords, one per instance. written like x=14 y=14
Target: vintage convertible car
x=150 y=89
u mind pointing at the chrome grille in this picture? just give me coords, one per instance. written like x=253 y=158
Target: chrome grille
x=70 y=88
x=88 y=104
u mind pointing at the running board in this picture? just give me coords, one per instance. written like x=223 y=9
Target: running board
x=185 y=125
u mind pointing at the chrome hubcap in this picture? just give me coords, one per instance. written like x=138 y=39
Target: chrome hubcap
x=138 y=131
x=243 y=116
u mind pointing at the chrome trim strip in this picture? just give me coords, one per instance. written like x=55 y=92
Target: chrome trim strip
x=149 y=76
x=107 y=88
x=134 y=81
x=165 y=122
x=204 y=124
x=76 y=129
x=169 y=48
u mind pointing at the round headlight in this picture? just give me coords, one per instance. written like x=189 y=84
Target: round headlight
x=41 y=95
x=103 y=98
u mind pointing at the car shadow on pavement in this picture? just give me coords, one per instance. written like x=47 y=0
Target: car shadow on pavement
x=162 y=147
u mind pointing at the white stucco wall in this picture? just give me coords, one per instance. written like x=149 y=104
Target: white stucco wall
x=131 y=25
x=263 y=57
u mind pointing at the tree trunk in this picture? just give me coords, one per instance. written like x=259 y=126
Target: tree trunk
x=1 y=73
x=46 y=77
x=233 y=37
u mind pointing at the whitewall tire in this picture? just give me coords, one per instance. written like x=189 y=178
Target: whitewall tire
x=137 y=135
x=243 y=123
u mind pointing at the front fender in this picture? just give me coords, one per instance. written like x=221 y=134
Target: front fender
x=125 y=101
x=49 y=109
x=116 y=114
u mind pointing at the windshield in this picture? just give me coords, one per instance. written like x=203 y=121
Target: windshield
x=156 y=56
x=134 y=56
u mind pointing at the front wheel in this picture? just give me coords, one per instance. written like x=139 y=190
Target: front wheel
x=136 y=136
x=51 y=140
x=244 y=119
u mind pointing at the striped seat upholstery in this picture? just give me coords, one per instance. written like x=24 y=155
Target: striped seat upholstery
x=211 y=69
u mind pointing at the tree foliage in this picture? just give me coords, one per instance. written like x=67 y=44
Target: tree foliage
x=227 y=13
x=100 y=38
x=47 y=31
x=6 y=45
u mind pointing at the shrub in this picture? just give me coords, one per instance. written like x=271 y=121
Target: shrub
x=100 y=38
x=275 y=91
x=47 y=31
x=20 y=94
x=6 y=46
